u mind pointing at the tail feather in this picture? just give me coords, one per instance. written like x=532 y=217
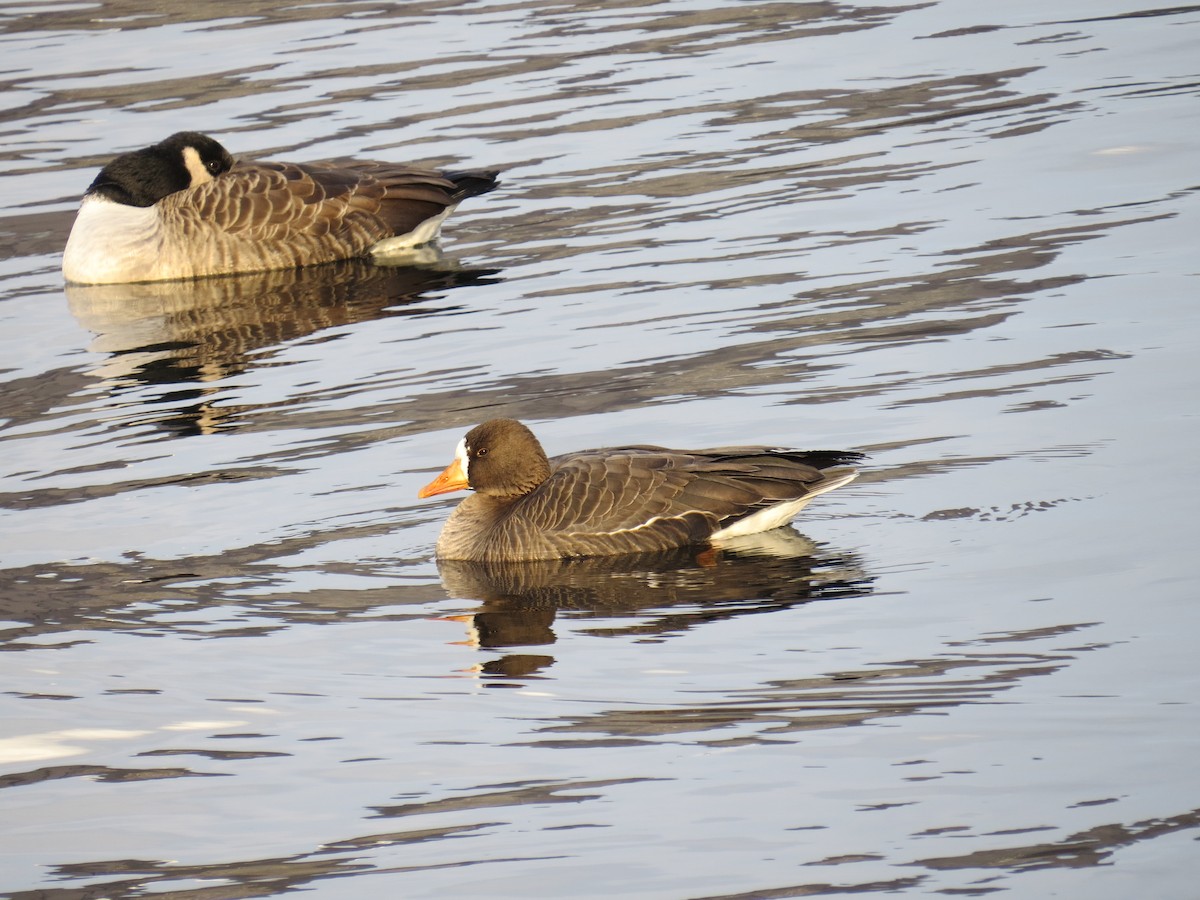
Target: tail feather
x=472 y=183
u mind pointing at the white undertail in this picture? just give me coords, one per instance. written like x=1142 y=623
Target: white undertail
x=781 y=513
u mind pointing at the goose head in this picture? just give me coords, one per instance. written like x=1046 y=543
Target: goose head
x=143 y=177
x=500 y=458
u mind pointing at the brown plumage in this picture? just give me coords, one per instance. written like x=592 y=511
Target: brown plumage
x=274 y=215
x=619 y=499
x=184 y=209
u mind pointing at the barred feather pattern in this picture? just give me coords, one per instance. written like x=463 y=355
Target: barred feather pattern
x=262 y=216
x=638 y=499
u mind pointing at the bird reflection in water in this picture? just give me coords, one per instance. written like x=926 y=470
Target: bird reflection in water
x=186 y=335
x=658 y=593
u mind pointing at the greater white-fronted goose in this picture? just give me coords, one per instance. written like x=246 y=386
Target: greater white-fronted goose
x=184 y=208
x=619 y=499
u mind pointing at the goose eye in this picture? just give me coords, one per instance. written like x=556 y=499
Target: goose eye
x=481 y=452
x=213 y=165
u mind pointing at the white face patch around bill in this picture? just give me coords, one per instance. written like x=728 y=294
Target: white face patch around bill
x=460 y=456
x=195 y=166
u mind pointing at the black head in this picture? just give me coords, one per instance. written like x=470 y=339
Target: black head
x=504 y=459
x=144 y=177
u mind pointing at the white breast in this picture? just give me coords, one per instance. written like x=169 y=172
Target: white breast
x=112 y=243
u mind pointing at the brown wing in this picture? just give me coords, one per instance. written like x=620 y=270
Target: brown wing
x=280 y=215
x=411 y=194
x=647 y=497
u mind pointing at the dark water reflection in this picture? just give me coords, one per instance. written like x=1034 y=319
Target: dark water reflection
x=784 y=710
x=172 y=334
x=222 y=596
x=659 y=594
x=208 y=328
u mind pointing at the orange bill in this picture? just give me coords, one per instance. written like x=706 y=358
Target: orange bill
x=453 y=478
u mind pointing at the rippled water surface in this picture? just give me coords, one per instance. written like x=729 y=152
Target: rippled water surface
x=959 y=236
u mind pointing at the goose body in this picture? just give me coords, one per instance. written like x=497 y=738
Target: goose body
x=184 y=208
x=620 y=499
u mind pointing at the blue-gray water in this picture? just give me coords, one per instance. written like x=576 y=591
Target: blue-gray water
x=959 y=236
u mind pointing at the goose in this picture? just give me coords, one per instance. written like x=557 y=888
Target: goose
x=618 y=500
x=184 y=208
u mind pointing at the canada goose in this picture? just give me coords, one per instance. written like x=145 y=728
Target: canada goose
x=620 y=499
x=184 y=208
